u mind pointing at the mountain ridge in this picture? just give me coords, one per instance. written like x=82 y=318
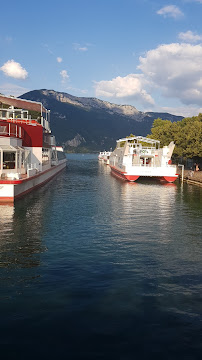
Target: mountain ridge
x=91 y=124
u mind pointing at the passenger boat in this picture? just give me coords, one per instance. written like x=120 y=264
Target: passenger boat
x=139 y=156
x=104 y=157
x=101 y=156
x=28 y=152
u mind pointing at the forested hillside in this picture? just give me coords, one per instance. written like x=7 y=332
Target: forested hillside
x=90 y=124
x=186 y=134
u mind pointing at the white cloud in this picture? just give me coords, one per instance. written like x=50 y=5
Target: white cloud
x=11 y=89
x=78 y=47
x=59 y=59
x=176 y=69
x=189 y=36
x=170 y=11
x=129 y=87
x=64 y=75
x=14 y=70
x=185 y=111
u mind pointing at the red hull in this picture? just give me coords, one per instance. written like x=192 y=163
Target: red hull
x=170 y=178
x=122 y=175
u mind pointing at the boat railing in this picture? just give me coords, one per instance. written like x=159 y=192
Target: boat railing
x=32 y=169
x=31 y=166
x=24 y=121
x=11 y=130
x=153 y=165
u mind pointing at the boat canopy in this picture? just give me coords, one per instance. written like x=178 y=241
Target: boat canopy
x=140 y=139
x=22 y=104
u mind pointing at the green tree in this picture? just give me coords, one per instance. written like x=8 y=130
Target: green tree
x=161 y=130
x=186 y=134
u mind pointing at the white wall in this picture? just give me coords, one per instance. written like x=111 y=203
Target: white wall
x=36 y=156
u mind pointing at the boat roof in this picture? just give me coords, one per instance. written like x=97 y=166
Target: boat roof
x=11 y=148
x=22 y=103
x=140 y=138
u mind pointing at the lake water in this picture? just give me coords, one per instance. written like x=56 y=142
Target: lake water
x=106 y=268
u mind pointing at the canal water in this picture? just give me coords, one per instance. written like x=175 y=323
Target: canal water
x=107 y=269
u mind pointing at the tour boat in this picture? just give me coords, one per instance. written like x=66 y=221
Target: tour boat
x=101 y=156
x=28 y=154
x=104 y=157
x=139 y=156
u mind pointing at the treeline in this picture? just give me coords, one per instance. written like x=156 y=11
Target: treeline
x=186 y=134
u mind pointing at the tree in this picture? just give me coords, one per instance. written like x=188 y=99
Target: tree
x=186 y=134
x=161 y=130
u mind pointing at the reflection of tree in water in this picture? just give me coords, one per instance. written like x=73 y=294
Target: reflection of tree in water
x=192 y=194
x=21 y=230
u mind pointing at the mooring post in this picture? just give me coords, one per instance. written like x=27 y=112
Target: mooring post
x=182 y=171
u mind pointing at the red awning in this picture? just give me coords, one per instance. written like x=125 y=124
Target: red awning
x=22 y=104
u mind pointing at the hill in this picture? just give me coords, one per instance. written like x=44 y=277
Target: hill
x=88 y=124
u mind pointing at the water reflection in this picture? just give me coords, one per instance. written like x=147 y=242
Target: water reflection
x=21 y=232
x=146 y=207
x=6 y=215
x=123 y=263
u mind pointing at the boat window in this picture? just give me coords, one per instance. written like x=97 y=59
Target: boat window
x=25 y=115
x=2 y=113
x=17 y=114
x=45 y=155
x=9 y=160
x=3 y=129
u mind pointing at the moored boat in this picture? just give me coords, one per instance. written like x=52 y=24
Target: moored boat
x=139 y=156
x=104 y=157
x=28 y=154
x=101 y=156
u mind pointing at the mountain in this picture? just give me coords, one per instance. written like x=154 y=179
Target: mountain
x=88 y=124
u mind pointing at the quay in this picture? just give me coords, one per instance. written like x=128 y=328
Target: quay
x=191 y=177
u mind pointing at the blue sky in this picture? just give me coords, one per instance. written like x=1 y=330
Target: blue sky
x=146 y=53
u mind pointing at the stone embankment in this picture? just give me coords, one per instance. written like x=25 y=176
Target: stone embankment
x=192 y=177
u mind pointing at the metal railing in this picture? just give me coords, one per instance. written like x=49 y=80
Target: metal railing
x=11 y=130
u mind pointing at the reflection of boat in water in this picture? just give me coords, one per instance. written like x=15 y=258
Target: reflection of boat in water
x=28 y=154
x=104 y=157
x=139 y=156
x=22 y=229
x=7 y=212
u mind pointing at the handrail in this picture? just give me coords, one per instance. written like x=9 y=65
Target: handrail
x=23 y=121
x=156 y=166
x=11 y=130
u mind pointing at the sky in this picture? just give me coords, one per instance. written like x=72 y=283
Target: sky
x=144 y=53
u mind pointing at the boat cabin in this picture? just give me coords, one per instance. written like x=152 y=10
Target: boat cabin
x=143 y=151
x=25 y=137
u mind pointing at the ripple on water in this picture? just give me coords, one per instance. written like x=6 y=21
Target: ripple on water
x=93 y=258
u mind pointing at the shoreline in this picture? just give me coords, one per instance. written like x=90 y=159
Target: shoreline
x=191 y=177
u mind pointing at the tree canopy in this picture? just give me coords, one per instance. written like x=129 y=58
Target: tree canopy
x=186 y=134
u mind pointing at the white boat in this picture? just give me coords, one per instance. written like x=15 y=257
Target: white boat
x=101 y=156
x=139 y=156
x=104 y=157
x=28 y=152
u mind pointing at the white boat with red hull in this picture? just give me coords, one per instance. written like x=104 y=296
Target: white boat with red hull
x=139 y=156
x=104 y=157
x=28 y=154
